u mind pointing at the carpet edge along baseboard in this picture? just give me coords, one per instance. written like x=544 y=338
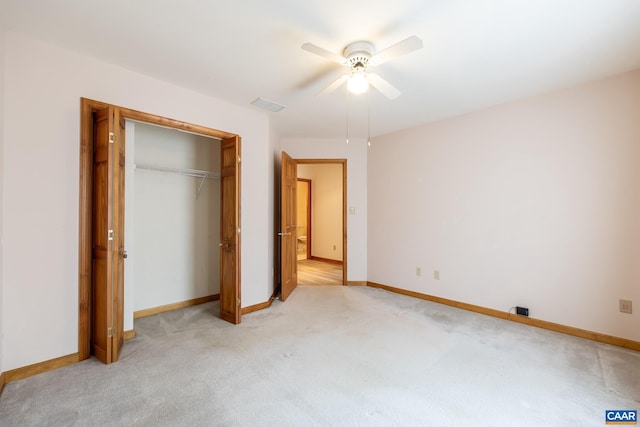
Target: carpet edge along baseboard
x=1 y=382
x=40 y=367
x=174 y=306
x=259 y=306
x=538 y=323
x=129 y=335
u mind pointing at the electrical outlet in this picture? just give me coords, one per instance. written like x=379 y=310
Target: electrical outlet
x=522 y=311
x=418 y=271
x=626 y=306
x=436 y=274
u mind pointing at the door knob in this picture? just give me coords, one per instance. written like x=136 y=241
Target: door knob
x=123 y=254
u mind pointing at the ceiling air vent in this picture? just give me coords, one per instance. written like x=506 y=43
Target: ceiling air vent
x=267 y=105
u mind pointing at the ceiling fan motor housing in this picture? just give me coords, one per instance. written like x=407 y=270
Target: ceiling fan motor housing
x=358 y=54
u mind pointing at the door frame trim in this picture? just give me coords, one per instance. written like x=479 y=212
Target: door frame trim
x=87 y=107
x=342 y=162
x=308 y=228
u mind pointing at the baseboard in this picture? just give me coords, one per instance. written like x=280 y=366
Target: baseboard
x=543 y=324
x=260 y=306
x=577 y=332
x=330 y=261
x=39 y=368
x=357 y=283
x=129 y=335
x=175 y=306
x=1 y=382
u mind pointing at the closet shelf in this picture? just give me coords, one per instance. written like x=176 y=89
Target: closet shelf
x=180 y=171
x=203 y=175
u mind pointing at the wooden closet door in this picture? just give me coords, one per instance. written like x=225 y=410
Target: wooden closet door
x=107 y=235
x=230 y=230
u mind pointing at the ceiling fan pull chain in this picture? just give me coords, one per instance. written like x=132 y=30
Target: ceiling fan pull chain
x=369 y=118
x=347 y=114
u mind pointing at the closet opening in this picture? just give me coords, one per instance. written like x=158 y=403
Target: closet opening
x=172 y=220
x=186 y=248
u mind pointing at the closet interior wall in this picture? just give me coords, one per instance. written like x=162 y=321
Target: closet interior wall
x=172 y=219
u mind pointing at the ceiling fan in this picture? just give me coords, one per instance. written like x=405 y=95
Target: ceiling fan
x=358 y=57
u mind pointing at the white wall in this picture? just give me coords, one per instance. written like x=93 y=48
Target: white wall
x=176 y=231
x=43 y=86
x=356 y=154
x=273 y=184
x=2 y=203
x=303 y=205
x=326 y=209
x=533 y=203
x=129 y=214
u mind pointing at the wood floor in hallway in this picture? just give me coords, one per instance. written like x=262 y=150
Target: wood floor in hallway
x=313 y=272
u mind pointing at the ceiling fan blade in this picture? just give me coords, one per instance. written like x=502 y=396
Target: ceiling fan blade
x=383 y=86
x=310 y=47
x=333 y=86
x=324 y=73
x=401 y=48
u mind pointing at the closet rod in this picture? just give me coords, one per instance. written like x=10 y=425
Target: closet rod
x=180 y=171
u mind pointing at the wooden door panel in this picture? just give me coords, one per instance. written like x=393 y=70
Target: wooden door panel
x=228 y=300
x=107 y=311
x=100 y=344
x=101 y=319
x=229 y=230
x=288 y=226
x=119 y=251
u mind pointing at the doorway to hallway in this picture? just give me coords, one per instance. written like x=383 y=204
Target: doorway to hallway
x=321 y=239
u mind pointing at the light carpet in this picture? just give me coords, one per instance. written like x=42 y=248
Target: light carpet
x=335 y=356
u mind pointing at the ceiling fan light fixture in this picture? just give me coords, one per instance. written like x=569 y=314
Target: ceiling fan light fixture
x=358 y=82
x=357 y=57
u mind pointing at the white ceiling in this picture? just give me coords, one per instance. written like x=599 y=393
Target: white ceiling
x=477 y=53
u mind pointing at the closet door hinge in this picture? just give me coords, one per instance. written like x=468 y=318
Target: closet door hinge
x=238 y=230
x=238 y=159
x=112 y=138
x=238 y=301
x=110 y=235
x=109 y=332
